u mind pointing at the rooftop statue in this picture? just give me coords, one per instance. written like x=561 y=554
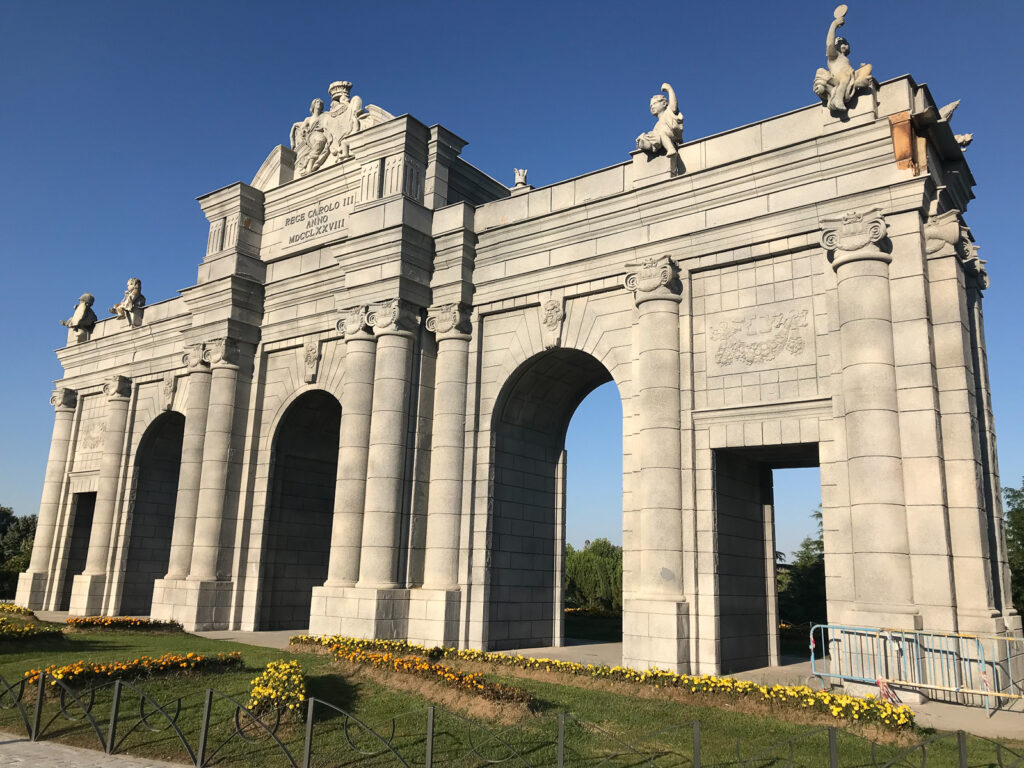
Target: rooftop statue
x=667 y=133
x=83 y=319
x=130 y=307
x=838 y=84
x=323 y=137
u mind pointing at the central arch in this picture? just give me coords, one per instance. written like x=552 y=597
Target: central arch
x=300 y=509
x=529 y=423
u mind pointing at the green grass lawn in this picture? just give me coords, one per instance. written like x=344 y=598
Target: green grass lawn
x=622 y=716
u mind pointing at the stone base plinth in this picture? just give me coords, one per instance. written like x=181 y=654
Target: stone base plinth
x=884 y=617
x=31 y=592
x=656 y=633
x=197 y=605
x=434 y=617
x=366 y=612
x=87 y=594
x=649 y=169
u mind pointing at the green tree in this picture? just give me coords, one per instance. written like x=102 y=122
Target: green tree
x=1014 y=526
x=593 y=576
x=16 y=536
x=801 y=584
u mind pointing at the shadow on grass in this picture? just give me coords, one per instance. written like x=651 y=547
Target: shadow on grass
x=334 y=689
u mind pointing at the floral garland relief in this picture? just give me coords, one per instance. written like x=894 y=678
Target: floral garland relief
x=759 y=338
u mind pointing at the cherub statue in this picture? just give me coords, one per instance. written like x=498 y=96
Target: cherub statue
x=83 y=319
x=309 y=140
x=131 y=305
x=668 y=131
x=837 y=85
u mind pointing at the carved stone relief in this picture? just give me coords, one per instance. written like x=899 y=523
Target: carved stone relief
x=776 y=335
x=310 y=358
x=551 y=316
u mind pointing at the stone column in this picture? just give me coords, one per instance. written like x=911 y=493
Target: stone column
x=441 y=560
x=393 y=324
x=659 y=605
x=222 y=355
x=883 y=588
x=354 y=443
x=87 y=591
x=657 y=294
x=187 y=502
x=32 y=584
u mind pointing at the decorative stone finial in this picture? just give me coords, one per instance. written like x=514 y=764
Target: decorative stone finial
x=667 y=133
x=838 y=84
x=323 y=137
x=63 y=399
x=854 y=236
x=655 y=278
x=117 y=386
x=130 y=308
x=83 y=320
x=448 y=320
x=520 y=174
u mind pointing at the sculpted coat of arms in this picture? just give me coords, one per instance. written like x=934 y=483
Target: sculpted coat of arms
x=323 y=138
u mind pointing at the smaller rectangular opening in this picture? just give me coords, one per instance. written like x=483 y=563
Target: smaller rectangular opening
x=82 y=507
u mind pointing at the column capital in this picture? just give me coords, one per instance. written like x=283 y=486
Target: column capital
x=221 y=353
x=656 y=277
x=449 y=321
x=195 y=357
x=117 y=387
x=63 y=399
x=393 y=317
x=854 y=236
x=353 y=324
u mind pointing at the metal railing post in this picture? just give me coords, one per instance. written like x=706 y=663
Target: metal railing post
x=37 y=716
x=833 y=747
x=696 y=744
x=429 y=758
x=561 y=739
x=115 y=705
x=307 y=752
x=203 y=728
x=961 y=744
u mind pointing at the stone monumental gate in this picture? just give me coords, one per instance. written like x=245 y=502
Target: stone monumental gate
x=354 y=421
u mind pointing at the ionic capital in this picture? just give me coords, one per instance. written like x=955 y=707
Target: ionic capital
x=195 y=358
x=117 y=387
x=449 y=321
x=63 y=399
x=353 y=324
x=221 y=353
x=854 y=236
x=656 y=277
x=392 y=317
x=943 y=230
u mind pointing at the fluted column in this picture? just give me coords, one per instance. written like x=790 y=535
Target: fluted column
x=222 y=354
x=118 y=390
x=441 y=560
x=658 y=293
x=393 y=324
x=883 y=589
x=190 y=475
x=353 y=448
x=32 y=583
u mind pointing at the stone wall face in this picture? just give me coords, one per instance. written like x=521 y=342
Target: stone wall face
x=795 y=293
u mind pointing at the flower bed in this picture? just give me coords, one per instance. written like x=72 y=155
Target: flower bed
x=16 y=610
x=468 y=682
x=123 y=622
x=280 y=686
x=16 y=630
x=840 y=706
x=169 y=663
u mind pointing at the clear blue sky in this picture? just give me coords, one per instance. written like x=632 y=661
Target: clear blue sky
x=115 y=116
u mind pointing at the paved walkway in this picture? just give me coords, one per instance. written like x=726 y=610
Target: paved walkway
x=21 y=753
